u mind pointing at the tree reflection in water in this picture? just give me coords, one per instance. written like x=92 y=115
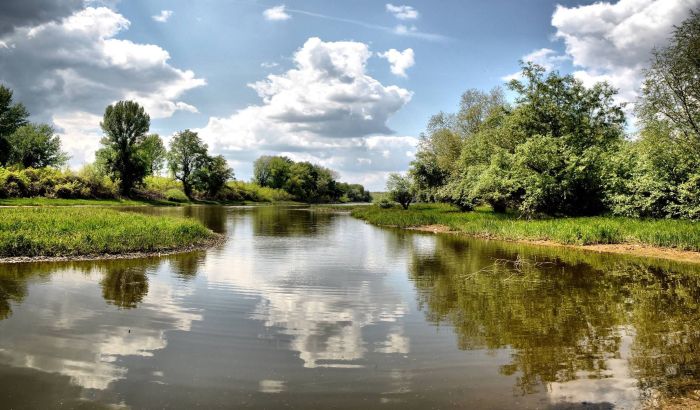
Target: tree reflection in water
x=564 y=313
x=124 y=282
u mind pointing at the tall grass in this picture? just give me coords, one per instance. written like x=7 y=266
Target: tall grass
x=483 y=222
x=90 y=231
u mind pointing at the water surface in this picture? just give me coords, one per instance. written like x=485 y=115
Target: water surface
x=318 y=310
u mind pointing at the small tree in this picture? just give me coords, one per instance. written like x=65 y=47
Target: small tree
x=272 y=171
x=188 y=154
x=400 y=189
x=36 y=146
x=153 y=153
x=125 y=125
x=12 y=116
x=213 y=175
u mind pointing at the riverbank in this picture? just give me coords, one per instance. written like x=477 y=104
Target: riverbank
x=58 y=233
x=668 y=239
x=42 y=201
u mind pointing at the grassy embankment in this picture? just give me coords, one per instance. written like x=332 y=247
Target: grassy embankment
x=41 y=201
x=679 y=234
x=69 y=232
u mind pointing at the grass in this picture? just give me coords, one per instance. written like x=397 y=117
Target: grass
x=41 y=201
x=63 y=231
x=684 y=235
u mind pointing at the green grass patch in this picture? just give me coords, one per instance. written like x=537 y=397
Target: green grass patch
x=89 y=231
x=681 y=234
x=41 y=201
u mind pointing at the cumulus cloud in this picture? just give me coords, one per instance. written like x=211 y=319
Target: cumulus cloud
x=80 y=135
x=21 y=13
x=400 y=61
x=326 y=110
x=612 y=41
x=163 y=16
x=402 y=12
x=276 y=13
x=60 y=69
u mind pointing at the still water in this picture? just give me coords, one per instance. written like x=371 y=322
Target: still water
x=317 y=310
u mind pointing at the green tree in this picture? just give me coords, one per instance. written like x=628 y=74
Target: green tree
x=353 y=193
x=12 y=116
x=671 y=90
x=547 y=155
x=272 y=171
x=437 y=157
x=188 y=153
x=125 y=125
x=658 y=175
x=400 y=189
x=154 y=153
x=213 y=174
x=36 y=146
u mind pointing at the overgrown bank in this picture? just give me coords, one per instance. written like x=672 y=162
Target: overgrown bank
x=483 y=222
x=99 y=232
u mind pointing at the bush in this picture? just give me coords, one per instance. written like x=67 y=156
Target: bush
x=13 y=184
x=238 y=191
x=54 y=183
x=161 y=184
x=385 y=203
x=176 y=195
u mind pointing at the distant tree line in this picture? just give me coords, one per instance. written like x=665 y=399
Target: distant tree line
x=305 y=181
x=561 y=147
x=130 y=161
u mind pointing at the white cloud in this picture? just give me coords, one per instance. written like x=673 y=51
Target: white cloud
x=163 y=16
x=613 y=41
x=326 y=110
x=402 y=12
x=68 y=71
x=400 y=60
x=276 y=13
x=545 y=57
x=80 y=135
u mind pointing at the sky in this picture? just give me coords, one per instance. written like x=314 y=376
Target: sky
x=346 y=84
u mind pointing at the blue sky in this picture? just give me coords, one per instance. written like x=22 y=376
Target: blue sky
x=338 y=95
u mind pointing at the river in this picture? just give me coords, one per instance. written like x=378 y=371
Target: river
x=311 y=309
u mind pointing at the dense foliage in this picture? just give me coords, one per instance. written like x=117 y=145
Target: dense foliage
x=125 y=125
x=305 y=181
x=187 y=155
x=54 y=183
x=659 y=174
x=560 y=148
